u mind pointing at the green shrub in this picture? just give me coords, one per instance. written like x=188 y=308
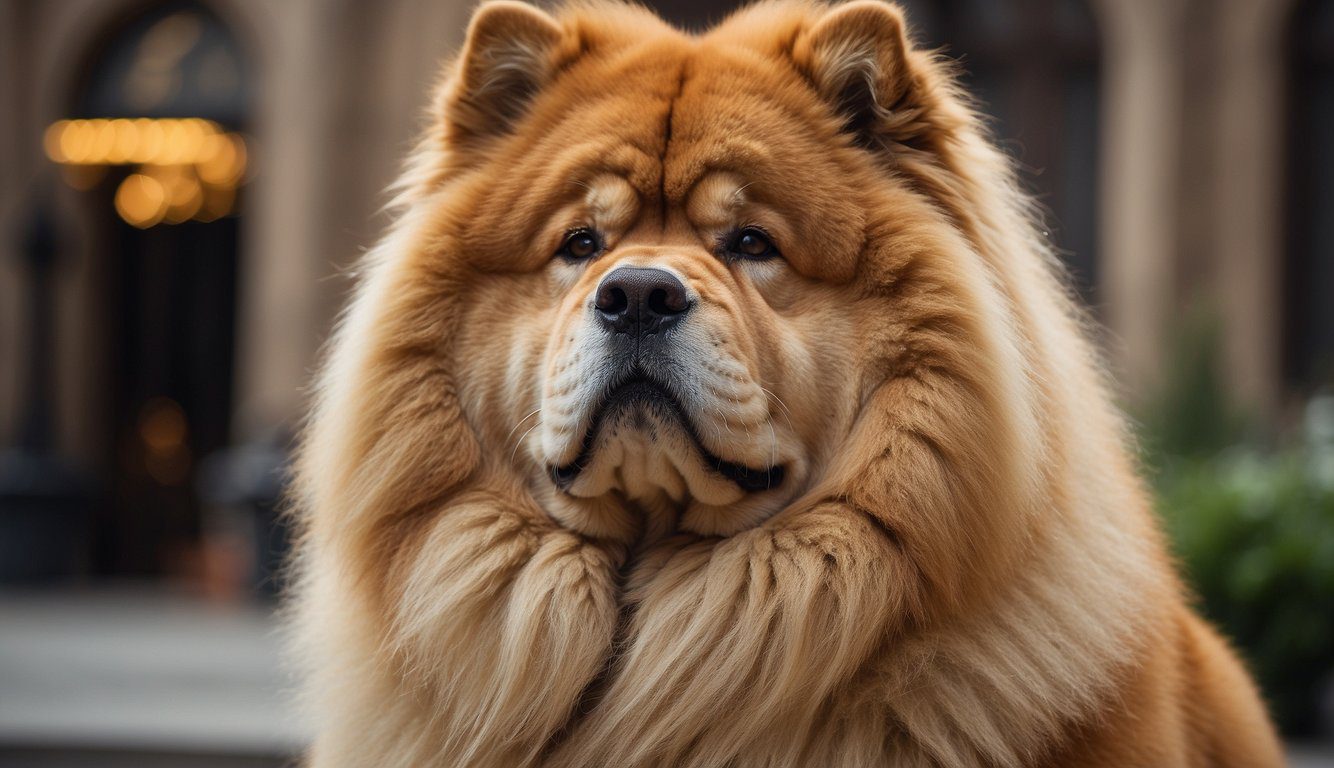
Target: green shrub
x=1255 y=534
x=1252 y=526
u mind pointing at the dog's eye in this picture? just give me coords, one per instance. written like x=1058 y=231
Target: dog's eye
x=751 y=243
x=580 y=244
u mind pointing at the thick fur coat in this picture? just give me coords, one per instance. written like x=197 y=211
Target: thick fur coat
x=855 y=496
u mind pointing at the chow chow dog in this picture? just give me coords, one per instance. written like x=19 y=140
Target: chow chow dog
x=714 y=400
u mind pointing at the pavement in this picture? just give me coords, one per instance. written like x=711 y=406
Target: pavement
x=141 y=676
x=1310 y=756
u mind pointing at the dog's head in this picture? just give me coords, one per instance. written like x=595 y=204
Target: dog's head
x=691 y=280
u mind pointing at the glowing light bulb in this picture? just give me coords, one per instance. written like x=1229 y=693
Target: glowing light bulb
x=127 y=141
x=150 y=140
x=76 y=141
x=184 y=193
x=52 y=138
x=223 y=161
x=141 y=200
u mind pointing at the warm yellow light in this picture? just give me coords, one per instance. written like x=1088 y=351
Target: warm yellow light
x=120 y=141
x=149 y=139
x=184 y=194
x=189 y=168
x=51 y=140
x=218 y=202
x=223 y=160
x=76 y=141
x=104 y=140
x=164 y=431
x=169 y=151
x=127 y=141
x=141 y=200
x=192 y=140
x=162 y=425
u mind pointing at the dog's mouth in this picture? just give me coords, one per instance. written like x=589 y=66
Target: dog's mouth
x=639 y=389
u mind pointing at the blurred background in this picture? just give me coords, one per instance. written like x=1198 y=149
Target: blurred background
x=184 y=185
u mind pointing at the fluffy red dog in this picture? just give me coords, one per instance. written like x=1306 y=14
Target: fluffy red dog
x=714 y=401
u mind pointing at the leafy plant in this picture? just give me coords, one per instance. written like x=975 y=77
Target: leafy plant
x=1256 y=536
x=1253 y=527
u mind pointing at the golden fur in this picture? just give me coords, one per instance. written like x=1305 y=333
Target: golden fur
x=958 y=566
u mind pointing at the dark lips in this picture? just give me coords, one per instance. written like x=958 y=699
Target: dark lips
x=641 y=389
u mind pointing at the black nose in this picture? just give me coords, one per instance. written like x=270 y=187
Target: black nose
x=640 y=301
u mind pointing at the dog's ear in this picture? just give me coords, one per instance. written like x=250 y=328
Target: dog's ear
x=512 y=50
x=859 y=59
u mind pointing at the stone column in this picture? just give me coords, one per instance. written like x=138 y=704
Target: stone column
x=1248 y=202
x=293 y=165
x=1141 y=117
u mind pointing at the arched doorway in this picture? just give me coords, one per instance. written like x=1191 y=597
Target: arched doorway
x=153 y=143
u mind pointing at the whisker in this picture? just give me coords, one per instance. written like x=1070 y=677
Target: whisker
x=521 y=421
x=773 y=444
x=787 y=413
x=519 y=442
